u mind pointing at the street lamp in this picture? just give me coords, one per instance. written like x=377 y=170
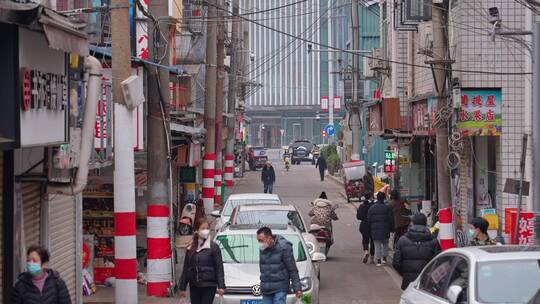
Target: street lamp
x=496 y=20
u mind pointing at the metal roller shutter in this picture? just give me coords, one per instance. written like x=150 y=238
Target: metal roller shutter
x=31 y=200
x=1 y=225
x=62 y=239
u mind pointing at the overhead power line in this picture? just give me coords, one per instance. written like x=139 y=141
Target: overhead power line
x=368 y=56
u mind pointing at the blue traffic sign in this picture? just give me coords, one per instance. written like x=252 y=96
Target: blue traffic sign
x=329 y=130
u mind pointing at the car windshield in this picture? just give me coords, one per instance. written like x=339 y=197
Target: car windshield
x=231 y=204
x=507 y=281
x=244 y=248
x=278 y=217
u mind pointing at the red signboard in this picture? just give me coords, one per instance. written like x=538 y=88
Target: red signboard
x=525 y=228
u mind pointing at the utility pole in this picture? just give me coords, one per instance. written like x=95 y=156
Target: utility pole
x=536 y=120
x=220 y=103
x=355 y=104
x=441 y=64
x=210 y=109
x=158 y=154
x=232 y=94
x=330 y=74
x=125 y=251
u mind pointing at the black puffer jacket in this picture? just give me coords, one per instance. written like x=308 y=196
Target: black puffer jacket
x=381 y=221
x=412 y=253
x=268 y=175
x=362 y=215
x=54 y=291
x=278 y=268
x=204 y=268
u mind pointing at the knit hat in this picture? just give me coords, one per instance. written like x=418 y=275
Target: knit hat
x=419 y=219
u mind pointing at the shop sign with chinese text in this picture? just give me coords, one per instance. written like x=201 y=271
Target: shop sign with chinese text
x=390 y=161
x=525 y=228
x=480 y=113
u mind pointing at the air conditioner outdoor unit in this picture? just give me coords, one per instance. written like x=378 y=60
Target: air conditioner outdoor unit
x=377 y=63
x=368 y=72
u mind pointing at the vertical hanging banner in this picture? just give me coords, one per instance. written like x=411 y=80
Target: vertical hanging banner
x=525 y=229
x=324 y=103
x=480 y=113
x=141 y=29
x=337 y=102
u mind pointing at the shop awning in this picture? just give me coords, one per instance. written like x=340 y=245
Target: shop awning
x=187 y=129
x=61 y=33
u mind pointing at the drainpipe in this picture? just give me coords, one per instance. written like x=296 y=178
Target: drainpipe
x=93 y=68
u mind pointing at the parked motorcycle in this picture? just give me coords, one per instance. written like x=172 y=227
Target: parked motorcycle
x=187 y=219
x=324 y=237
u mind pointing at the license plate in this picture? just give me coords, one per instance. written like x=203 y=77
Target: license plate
x=251 y=301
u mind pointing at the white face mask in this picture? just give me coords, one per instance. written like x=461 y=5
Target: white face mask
x=263 y=246
x=204 y=233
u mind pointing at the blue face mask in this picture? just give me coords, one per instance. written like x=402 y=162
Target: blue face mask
x=33 y=268
x=472 y=233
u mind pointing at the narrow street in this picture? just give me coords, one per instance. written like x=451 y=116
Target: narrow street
x=344 y=278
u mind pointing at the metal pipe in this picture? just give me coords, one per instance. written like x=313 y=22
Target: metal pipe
x=93 y=68
x=536 y=118
x=520 y=192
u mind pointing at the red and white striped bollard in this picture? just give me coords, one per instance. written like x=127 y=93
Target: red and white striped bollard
x=446 y=229
x=229 y=170
x=208 y=182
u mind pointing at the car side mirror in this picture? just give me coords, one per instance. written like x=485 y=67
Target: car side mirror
x=453 y=293
x=318 y=257
x=216 y=213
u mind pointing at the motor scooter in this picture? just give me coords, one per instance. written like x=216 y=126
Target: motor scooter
x=324 y=237
x=187 y=219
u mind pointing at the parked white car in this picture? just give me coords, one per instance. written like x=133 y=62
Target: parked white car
x=234 y=200
x=273 y=215
x=491 y=274
x=240 y=251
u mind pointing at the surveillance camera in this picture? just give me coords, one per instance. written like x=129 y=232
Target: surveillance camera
x=251 y=56
x=494 y=16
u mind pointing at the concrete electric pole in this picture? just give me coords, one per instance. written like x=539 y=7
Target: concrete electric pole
x=158 y=153
x=330 y=74
x=354 y=110
x=125 y=251
x=220 y=102
x=232 y=94
x=210 y=108
x=441 y=64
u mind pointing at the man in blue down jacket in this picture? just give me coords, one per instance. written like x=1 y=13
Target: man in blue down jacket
x=414 y=250
x=278 y=268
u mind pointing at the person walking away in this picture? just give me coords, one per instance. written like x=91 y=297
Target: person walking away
x=401 y=215
x=369 y=182
x=478 y=234
x=321 y=164
x=203 y=268
x=381 y=223
x=414 y=250
x=39 y=284
x=251 y=160
x=362 y=216
x=278 y=269
x=268 y=177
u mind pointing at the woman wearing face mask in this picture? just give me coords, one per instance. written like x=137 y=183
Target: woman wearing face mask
x=203 y=268
x=38 y=284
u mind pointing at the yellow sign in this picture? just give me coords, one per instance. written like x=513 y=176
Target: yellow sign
x=404 y=160
x=493 y=221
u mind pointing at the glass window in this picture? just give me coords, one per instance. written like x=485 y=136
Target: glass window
x=434 y=279
x=277 y=217
x=244 y=248
x=231 y=204
x=460 y=277
x=507 y=281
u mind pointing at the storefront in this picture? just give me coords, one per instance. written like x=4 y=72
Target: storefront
x=35 y=137
x=480 y=123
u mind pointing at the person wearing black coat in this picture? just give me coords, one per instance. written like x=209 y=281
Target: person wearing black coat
x=268 y=177
x=321 y=164
x=381 y=223
x=414 y=250
x=362 y=215
x=38 y=284
x=203 y=268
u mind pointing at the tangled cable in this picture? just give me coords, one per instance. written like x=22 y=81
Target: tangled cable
x=456 y=144
x=442 y=116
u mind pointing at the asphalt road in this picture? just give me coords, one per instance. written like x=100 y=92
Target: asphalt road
x=344 y=278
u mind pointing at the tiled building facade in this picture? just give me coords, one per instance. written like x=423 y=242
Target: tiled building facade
x=486 y=162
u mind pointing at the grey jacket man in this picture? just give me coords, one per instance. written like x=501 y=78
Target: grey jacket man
x=278 y=268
